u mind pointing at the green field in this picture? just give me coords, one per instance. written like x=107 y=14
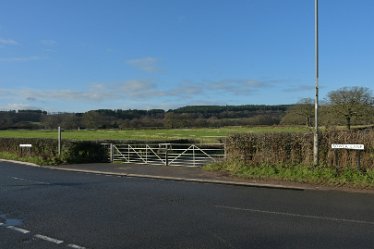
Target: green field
x=204 y=134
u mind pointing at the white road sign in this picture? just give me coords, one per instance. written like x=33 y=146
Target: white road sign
x=348 y=146
x=25 y=145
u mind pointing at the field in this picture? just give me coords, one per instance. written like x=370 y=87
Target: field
x=200 y=134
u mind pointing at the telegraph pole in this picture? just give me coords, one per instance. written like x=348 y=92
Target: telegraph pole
x=315 y=144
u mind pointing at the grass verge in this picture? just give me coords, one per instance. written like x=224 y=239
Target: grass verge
x=300 y=174
x=29 y=159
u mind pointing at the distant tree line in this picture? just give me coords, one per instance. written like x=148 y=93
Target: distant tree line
x=184 y=117
x=345 y=106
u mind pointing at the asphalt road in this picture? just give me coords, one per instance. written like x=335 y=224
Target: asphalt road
x=43 y=208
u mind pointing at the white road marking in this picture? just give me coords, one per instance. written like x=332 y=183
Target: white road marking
x=49 y=239
x=219 y=238
x=16 y=178
x=22 y=179
x=17 y=229
x=76 y=246
x=42 y=237
x=363 y=222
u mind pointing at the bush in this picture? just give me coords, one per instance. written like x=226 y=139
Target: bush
x=84 y=152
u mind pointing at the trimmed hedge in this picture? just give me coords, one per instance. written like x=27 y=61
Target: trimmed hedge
x=45 y=151
x=297 y=149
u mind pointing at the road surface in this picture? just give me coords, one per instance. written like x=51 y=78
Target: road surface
x=43 y=208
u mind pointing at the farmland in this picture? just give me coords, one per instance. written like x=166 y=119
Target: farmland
x=200 y=134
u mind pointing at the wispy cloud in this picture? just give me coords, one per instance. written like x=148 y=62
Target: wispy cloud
x=240 y=86
x=48 y=43
x=18 y=106
x=8 y=42
x=21 y=59
x=234 y=87
x=141 y=89
x=93 y=93
x=128 y=90
x=140 y=92
x=188 y=89
x=299 y=88
x=147 y=64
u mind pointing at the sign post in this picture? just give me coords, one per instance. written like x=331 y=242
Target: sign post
x=357 y=147
x=25 y=148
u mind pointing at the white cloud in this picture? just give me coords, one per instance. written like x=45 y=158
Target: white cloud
x=239 y=86
x=300 y=88
x=18 y=106
x=94 y=93
x=188 y=90
x=129 y=90
x=144 y=93
x=48 y=43
x=8 y=42
x=21 y=59
x=141 y=89
x=147 y=64
x=5 y=92
x=236 y=87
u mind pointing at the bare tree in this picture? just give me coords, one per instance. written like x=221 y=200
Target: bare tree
x=301 y=112
x=305 y=108
x=351 y=102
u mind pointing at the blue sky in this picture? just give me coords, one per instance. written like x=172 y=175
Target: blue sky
x=80 y=55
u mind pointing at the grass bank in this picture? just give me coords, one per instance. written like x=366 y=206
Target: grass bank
x=30 y=159
x=301 y=174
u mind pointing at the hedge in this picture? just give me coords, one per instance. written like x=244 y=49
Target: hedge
x=297 y=149
x=45 y=151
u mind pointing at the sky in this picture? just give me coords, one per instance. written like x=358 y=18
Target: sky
x=80 y=55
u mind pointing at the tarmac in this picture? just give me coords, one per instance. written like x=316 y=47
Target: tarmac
x=188 y=174
x=174 y=173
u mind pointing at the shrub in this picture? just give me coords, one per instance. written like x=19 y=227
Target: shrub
x=84 y=152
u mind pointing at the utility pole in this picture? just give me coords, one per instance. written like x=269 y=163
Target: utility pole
x=315 y=144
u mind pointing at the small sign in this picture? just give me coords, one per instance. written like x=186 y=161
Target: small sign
x=348 y=146
x=25 y=145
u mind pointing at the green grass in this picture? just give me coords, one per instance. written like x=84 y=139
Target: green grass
x=204 y=134
x=30 y=159
x=300 y=173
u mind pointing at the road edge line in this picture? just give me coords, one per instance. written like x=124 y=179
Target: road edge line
x=19 y=162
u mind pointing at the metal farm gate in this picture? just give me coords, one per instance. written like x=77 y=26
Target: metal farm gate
x=168 y=154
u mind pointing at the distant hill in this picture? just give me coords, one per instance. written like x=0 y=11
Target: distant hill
x=187 y=116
